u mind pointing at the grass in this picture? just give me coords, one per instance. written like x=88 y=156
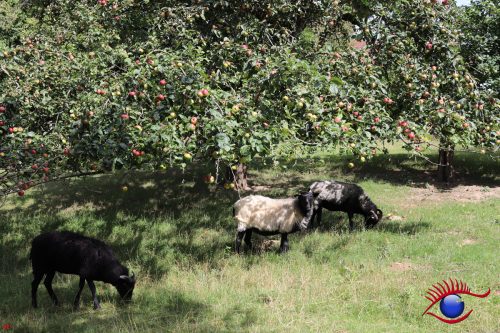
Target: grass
x=177 y=236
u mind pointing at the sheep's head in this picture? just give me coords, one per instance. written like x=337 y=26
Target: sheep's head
x=125 y=286
x=306 y=206
x=373 y=217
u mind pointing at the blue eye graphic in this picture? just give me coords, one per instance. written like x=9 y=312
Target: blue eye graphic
x=452 y=306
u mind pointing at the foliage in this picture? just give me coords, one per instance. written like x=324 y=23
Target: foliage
x=99 y=86
x=480 y=42
x=416 y=48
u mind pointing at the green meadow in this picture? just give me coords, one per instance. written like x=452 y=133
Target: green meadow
x=177 y=235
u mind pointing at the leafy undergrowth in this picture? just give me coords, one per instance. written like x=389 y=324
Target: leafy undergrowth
x=177 y=237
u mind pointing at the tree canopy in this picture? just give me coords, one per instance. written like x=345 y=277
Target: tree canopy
x=91 y=86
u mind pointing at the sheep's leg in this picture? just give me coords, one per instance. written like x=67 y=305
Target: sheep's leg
x=351 y=222
x=94 y=296
x=284 y=243
x=239 y=237
x=48 y=284
x=37 y=278
x=76 y=304
x=248 y=239
x=318 y=216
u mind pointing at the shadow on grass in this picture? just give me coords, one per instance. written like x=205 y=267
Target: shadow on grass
x=398 y=169
x=160 y=221
x=172 y=218
x=408 y=228
x=174 y=311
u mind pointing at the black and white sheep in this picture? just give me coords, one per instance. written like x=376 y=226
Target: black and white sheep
x=345 y=197
x=267 y=216
x=71 y=253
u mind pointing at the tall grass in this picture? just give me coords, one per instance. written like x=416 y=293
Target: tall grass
x=177 y=236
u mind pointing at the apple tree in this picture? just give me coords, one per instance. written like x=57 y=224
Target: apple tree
x=417 y=47
x=94 y=86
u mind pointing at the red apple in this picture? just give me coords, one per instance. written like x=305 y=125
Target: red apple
x=2 y=109
x=163 y=82
x=428 y=46
x=2 y=123
x=360 y=117
x=465 y=125
x=338 y=119
x=132 y=93
x=355 y=113
x=34 y=166
x=160 y=97
x=205 y=92
x=444 y=2
x=124 y=116
x=20 y=193
x=376 y=120
x=45 y=170
x=11 y=130
x=66 y=151
x=411 y=135
x=194 y=120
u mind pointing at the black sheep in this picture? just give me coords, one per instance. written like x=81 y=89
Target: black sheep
x=345 y=197
x=71 y=253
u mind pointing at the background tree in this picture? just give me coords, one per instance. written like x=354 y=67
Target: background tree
x=416 y=45
x=90 y=87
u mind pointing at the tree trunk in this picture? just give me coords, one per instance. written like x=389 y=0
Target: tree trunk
x=445 y=168
x=239 y=176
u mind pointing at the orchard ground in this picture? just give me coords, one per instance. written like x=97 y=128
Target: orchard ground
x=177 y=236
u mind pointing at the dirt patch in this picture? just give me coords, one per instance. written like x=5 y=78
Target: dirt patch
x=260 y=188
x=392 y=217
x=469 y=241
x=265 y=245
x=461 y=193
x=406 y=266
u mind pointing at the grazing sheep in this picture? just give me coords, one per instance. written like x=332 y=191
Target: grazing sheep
x=345 y=197
x=267 y=216
x=71 y=253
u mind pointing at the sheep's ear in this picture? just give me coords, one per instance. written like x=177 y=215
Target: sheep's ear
x=379 y=214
